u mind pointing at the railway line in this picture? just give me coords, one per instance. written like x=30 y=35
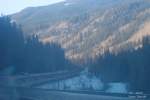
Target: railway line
x=22 y=87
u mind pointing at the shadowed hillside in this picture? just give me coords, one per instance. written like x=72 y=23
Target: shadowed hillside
x=130 y=67
x=28 y=55
x=89 y=28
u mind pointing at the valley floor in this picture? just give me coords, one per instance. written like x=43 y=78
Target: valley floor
x=39 y=94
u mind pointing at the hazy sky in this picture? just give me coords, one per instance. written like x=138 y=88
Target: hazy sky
x=12 y=6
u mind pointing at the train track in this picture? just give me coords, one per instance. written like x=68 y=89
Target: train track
x=37 y=79
x=22 y=86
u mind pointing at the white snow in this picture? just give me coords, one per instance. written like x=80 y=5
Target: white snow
x=82 y=82
x=68 y=4
x=117 y=88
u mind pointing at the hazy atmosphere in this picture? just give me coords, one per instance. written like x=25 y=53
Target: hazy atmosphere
x=75 y=50
x=13 y=6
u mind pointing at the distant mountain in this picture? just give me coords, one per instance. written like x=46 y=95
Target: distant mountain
x=89 y=28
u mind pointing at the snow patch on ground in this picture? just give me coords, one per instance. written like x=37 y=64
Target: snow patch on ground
x=68 y=4
x=117 y=88
x=84 y=81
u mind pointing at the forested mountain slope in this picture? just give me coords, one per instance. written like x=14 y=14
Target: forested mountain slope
x=89 y=28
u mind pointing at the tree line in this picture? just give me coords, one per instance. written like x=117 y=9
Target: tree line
x=131 y=67
x=28 y=55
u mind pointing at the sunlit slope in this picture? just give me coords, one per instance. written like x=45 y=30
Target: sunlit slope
x=88 y=28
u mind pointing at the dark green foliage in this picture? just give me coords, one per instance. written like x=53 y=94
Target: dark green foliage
x=30 y=55
x=11 y=41
x=132 y=67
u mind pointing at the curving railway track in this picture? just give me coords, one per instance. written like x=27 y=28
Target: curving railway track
x=22 y=88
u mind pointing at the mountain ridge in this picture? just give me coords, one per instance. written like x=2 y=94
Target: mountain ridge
x=87 y=29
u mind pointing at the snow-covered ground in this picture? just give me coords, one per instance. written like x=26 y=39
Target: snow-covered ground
x=84 y=81
x=117 y=88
